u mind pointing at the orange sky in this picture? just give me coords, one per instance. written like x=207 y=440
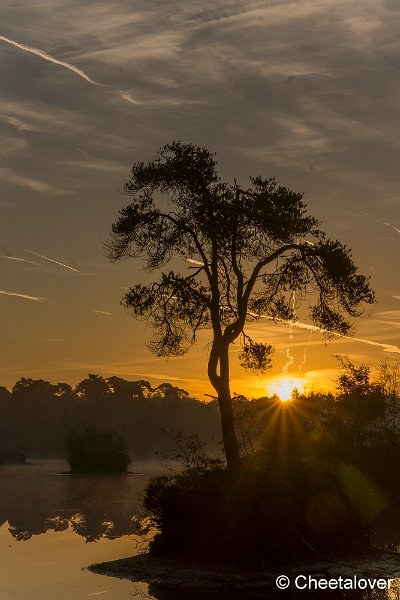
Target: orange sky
x=319 y=110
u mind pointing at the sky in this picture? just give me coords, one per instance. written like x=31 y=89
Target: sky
x=308 y=92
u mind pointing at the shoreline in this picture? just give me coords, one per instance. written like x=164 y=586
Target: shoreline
x=172 y=573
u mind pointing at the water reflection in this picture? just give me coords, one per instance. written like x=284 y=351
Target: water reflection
x=35 y=500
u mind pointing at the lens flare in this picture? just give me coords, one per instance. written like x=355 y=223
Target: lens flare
x=284 y=386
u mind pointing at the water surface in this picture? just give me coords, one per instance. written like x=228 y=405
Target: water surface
x=53 y=525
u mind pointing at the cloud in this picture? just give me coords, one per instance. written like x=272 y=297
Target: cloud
x=98 y=165
x=388 y=318
x=386 y=347
x=102 y=312
x=17 y=123
x=11 y=145
x=23 y=260
x=24 y=296
x=46 y=116
x=66 y=65
x=52 y=59
x=9 y=176
x=390 y=225
x=129 y=98
x=51 y=260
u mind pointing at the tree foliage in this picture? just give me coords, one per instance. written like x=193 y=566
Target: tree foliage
x=97 y=450
x=250 y=252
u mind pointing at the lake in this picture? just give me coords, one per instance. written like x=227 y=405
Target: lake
x=53 y=525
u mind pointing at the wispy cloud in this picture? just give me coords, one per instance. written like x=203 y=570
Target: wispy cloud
x=23 y=260
x=98 y=165
x=9 y=176
x=51 y=260
x=17 y=123
x=102 y=312
x=129 y=98
x=24 y=296
x=52 y=59
x=11 y=145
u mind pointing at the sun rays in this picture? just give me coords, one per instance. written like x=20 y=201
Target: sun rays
x=283 y=387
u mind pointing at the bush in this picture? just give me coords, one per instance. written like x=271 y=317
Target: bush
x=95 y=450
x=269 y=511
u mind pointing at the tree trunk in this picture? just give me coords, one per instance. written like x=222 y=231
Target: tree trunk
x=228 y=431
x=226 y=411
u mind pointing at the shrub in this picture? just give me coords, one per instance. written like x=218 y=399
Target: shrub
x=267 y=511
x=94 y=450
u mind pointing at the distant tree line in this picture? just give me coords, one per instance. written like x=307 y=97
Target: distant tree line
x=358 y=423
x=37 y=417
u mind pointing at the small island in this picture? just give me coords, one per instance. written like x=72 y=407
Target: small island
x=95 y=450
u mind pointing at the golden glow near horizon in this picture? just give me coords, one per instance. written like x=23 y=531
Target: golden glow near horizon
x=283 y=387
x=61 y=299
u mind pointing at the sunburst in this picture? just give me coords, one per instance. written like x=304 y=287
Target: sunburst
x=283 y=387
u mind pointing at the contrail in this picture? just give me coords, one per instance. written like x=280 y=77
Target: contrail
x=51 y=59
x=392 y=226
x=379 y=221
x=290 y=360
x=303 y=362
x=25 y=296
x=386 y=347
x=51 y=260
x=102 y=312
x=42 y=54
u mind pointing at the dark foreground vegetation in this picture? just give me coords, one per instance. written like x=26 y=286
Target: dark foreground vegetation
x=268 y=511
x=317 y=470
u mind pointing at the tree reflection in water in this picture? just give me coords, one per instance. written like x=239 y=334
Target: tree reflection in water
x=34 y=501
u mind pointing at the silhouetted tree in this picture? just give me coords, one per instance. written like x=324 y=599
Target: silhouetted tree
x=389 y=382
x=360 y=402
x=94 y=387
x=32 y=389
x=5 y=394
x=252 y=251
x=63 y=390
x=126 y=390
x=170 y=392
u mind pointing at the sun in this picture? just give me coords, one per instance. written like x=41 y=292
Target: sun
x=284 y=386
